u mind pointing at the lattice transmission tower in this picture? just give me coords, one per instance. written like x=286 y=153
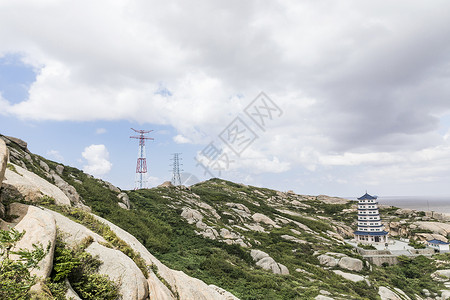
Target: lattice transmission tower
x=176 y=178
x=141 y=181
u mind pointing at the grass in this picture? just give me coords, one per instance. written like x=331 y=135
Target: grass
x=156 y=222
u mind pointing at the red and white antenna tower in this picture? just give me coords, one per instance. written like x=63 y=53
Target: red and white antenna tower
x=141 y=167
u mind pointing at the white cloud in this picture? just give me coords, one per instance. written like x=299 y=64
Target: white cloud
x=154 y=181
x=360 y=84
x=100 y=131
x=54 y=154
x=97 y=157
x=180 y=139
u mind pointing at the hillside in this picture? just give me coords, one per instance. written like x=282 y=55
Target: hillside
x=225 y=240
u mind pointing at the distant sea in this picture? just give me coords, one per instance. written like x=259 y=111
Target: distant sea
x=422 y=203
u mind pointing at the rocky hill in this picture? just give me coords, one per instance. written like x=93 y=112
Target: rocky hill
x=213 y=240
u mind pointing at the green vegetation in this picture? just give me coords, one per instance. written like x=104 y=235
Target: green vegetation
x=410 y=275
x=155 y=220
x=96 y=226
x=366 y=246
x=12 y=168
x=80 y=269
x=15 y=277
x=420 y=230
x=416 y=244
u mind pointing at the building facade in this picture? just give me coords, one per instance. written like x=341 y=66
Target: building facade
x=370 y=229
x=439 y=245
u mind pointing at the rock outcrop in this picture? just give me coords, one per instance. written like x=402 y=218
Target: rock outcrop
x=322 y=297
x=441 y=275
x=166 y=184
x=352 y=264
x=349 y=276
x=3 y=160
x=392 y=294
x=67 y=189
x=70 y=293
x=327 y=260
x=266 y=262
x=436 y=227
x=331 y=259
x=191 y=215
x=331 y=200
x=260 y=218
x=25 y=184
x=124 y=201
x=120 y=268
x=186 y=287
x=4 y=154
x=40 y=228
x=9 y=139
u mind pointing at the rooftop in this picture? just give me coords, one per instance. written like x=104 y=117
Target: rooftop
x=434 y=241
x=370 y=232
x=367 y=197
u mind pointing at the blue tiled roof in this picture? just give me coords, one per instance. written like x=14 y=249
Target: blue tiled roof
x=371 y=233
x=367 y=197
x=434 y=241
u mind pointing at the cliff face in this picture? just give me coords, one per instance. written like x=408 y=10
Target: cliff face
x=213 y=240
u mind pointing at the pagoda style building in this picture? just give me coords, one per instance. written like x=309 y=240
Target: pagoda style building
x=370 y=230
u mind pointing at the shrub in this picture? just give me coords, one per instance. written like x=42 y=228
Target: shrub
x=416 y=245
x=15 y=277
x=366 y=246
x=80 y=268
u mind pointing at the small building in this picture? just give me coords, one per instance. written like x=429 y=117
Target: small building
x=438 y=245
x=370 y=229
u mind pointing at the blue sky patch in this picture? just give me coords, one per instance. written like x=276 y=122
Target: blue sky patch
x=15 y=78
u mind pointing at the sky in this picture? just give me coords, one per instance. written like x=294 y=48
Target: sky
x=318 y=97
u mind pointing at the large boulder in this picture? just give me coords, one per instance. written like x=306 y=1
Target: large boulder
x=157 y=289
x=3 y=160
x=124 y=201
x=260 y=218
x=185 y=286
x=9 y=139
x=238 y=206
x=166 y=184
x=441 y=275
x=430 y=236
x=266 y=262
x=68 y=190
x=70 y=293
x=327 y=260
x=445 y=294
x=352 y=264
x=116 y=265
x=23 y=183
x=322 y=297
x=388 y=294
x=349 y=276
x=40 y=228
x=436 y=227
x=191 y=215
x=4 y=153
x=72 y=233
x=122 y=269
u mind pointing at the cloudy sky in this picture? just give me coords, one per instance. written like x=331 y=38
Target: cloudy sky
x=356 y=93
